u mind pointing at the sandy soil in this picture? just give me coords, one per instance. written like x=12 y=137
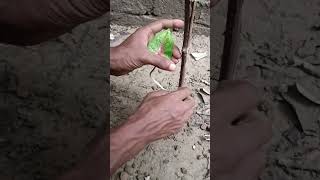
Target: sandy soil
x=53 y=96
x=52 y=101
x=278 y=35
x=182 y=156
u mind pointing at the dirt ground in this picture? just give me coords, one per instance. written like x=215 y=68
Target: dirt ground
x=52 y=101
x=280 y=51
x=182 y=156
x=53 y=96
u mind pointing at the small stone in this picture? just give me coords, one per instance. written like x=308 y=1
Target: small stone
x=186 y=178
x=112 y=36
x=193 y=147
x=308 y=49
x=133 y=165
x=198 y=157
x=147 y=178
x=203 y=127
x=129 y=170
x=124 y=176
x=140 y=177
x=166 y=161
x=184 y=170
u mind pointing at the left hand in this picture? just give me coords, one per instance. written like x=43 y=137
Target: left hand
x=133 y=52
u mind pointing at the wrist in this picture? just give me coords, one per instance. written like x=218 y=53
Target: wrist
x=126 y=141
x=132 y=130
x=117 y=56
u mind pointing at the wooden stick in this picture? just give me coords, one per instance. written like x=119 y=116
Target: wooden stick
x=189 y=17
x=232 y=40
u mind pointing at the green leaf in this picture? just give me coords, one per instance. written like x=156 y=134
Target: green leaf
x=164 y=41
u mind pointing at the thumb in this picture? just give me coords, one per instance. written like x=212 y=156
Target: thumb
x=160 y=62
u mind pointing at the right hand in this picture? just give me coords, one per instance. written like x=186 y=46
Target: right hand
x=163 y=113
x=240 y=132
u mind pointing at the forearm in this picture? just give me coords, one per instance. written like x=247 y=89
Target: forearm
x=32 y=21
x=117 y=60
x=125 y=142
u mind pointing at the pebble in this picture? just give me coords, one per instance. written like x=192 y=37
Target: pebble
x=166 y=161
x=186 y=178
x=193 y=147
x=203 y=127
x=129 y=169
x=198 y=157
x=124 y=176
x=140 y=177
x=133 y=165
x=184 y=170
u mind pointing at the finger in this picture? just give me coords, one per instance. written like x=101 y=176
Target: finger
x=159 y=61
x=189 y=102
x=233 y=99
x=176 y=52
x=251 y=167
x=159 y=93
x=252 y=135
x=175 y=60
x=157 y=26
x=181 y=93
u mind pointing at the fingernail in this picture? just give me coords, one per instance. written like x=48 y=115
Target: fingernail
x=172 y=67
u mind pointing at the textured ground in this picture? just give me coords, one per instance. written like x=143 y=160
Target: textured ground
x=182 y=156
x=52 y=101
x=277 y=36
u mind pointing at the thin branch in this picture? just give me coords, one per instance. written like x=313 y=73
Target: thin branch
x=189 y=17
x=232 y=40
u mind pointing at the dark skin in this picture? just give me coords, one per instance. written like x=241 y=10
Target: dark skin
x=241 y=133
x=161 y=113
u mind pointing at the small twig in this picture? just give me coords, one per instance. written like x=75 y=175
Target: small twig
x=155 y=81
x=232 y=40
x=189 y=17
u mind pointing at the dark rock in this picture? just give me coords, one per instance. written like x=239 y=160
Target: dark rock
x=184 y=170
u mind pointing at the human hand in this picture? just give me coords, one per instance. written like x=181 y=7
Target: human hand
x=133 y=52
x=240 y=132
x=163 y=113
